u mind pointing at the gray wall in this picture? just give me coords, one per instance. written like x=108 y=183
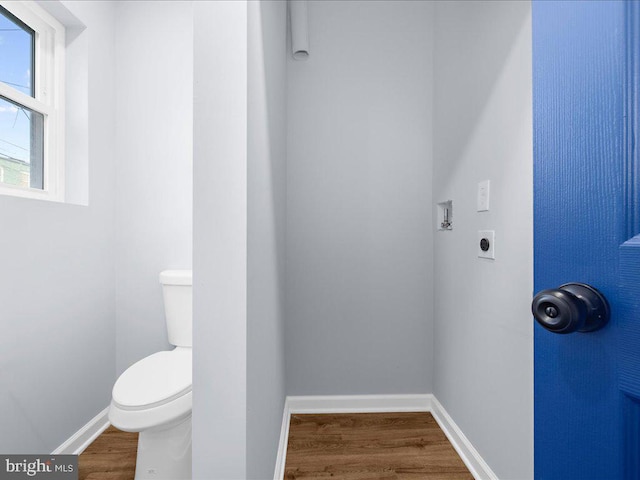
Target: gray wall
x=483 y=130
x=266 y=229
x=57 y=349
x=154 y=166
x=359 y=216
x=220 y=241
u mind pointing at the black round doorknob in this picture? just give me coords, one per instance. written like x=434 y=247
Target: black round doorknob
x=571 y=307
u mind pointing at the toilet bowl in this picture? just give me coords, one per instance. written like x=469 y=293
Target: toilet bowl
x=153 y=396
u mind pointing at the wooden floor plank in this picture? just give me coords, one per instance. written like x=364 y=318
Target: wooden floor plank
x=111 y=456
x=368 y=446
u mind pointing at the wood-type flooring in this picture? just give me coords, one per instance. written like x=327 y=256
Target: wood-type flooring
x=370 y=446
x=358 y=446
x=111 y=456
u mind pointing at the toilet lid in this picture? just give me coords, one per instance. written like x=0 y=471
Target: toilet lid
x=154 y=380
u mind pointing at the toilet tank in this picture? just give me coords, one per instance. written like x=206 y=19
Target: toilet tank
x=178 y=306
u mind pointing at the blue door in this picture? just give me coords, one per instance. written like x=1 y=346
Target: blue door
x=586 y=226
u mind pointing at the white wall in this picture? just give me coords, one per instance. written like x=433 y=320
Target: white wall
x=57 y=349
x=239 y=197
x=483 y=130
x=220 y=240
x=359 y=215
x=265 y=229
x=154 y=166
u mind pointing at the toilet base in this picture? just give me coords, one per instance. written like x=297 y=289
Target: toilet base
x=164 y=453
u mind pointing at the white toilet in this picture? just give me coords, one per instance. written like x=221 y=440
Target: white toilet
x=153 y=396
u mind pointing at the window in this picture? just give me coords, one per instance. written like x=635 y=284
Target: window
x=31 y=102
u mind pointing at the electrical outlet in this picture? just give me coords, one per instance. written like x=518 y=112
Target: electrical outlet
x=486 y=244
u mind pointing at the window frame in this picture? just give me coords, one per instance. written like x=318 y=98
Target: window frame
x=48 y=99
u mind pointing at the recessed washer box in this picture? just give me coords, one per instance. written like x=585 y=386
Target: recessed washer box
x=445 y=215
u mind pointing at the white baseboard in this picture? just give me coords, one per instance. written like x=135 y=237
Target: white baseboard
x=382 y=403
x=281 y=458
x=79 y=441
x=470 y=456
x=359 y=403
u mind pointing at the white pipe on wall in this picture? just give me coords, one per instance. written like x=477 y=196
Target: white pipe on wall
x=299 y=29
